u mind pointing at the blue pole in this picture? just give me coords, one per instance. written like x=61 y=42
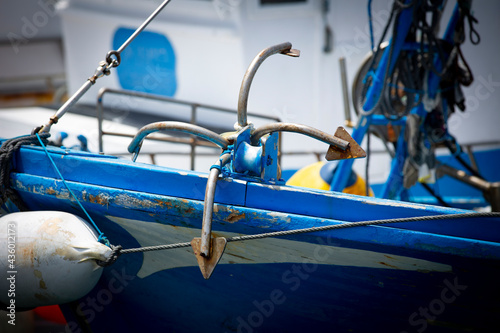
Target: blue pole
x=404 y=23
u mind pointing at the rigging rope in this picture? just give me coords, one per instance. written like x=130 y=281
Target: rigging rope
x=117 y=250
x=113 y=59
x=101 y=238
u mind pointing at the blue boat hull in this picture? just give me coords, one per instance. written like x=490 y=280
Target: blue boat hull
x=436 y=276
x=290 y=297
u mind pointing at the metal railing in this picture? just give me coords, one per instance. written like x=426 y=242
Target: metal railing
x=192 y=141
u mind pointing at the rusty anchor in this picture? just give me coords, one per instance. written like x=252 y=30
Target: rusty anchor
x=208 y=250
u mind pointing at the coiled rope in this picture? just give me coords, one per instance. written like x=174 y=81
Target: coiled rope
x=7 y=151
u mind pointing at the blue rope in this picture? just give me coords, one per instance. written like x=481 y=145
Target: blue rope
x=229 y=150
x=215 y=166
x=101 y=238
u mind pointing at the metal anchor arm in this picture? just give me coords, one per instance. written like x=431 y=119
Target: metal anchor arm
x=302 y=129
x=342 y=145
x=284 y=48
x=135 y=145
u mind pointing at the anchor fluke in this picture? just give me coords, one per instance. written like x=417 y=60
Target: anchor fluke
x=207 y=263
x=353 y=150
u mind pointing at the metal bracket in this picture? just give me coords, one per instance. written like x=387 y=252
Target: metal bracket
x=271 y=172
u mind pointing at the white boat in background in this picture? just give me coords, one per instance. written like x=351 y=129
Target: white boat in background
x=198 y=50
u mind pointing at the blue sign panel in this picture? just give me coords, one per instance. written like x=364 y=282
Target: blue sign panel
x=147 y=64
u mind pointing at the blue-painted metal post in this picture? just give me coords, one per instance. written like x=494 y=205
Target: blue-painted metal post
x=393 y=188
x=395 y=177
x=392 y=50
x=343 y=169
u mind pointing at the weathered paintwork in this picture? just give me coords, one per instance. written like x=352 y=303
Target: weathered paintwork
x=359 y=279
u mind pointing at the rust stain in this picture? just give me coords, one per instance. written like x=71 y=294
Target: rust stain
x=44 y=190
x=235 y=217
x=181 y=206
x=27 y=252
x=50 y=226
x=50 y=190
x=386 y=264
x=99 y=199
x=164 y=203
x=189 y=210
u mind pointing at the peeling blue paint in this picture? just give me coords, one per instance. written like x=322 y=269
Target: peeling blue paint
x=111 y=189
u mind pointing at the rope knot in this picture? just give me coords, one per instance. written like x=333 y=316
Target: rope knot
x=222 y=170
x=115 y=253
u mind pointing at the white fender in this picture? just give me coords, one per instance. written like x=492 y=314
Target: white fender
x=47 y=257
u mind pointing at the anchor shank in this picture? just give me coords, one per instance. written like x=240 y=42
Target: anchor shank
x=206 y=229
